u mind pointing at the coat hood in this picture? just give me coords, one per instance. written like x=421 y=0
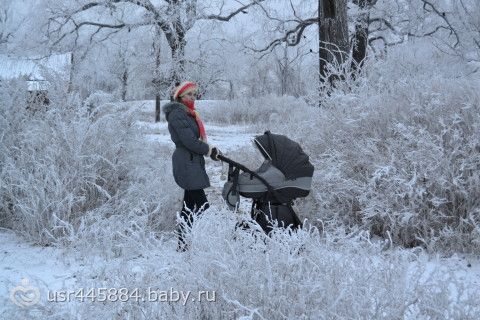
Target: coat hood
x=169 y=107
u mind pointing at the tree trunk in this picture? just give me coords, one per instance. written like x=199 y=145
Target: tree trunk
x=124 y=84
x=72 y=72
x=175 y=35
x=157 y=75
x=178 y=58
x=231 y=93
x=333 y=33
x=360 y=40
x=157 y=107
x=284 y=71
x=322 y=56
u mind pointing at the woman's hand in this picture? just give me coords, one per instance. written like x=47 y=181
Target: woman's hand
x=214 y=154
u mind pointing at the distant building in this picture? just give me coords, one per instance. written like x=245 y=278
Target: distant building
x=34 y=71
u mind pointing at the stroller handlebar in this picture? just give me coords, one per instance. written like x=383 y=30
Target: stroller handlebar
x=221 y=157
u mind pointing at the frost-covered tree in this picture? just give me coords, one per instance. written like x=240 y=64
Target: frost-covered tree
x=453 y=24
x=287 y=70
x=12 y=18
x=169 y=18
x=5 y=32
x=332 y=34
x=460 y=22
x=331 y=19
x=360 y=38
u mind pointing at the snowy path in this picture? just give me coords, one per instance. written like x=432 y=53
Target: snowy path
x=225 y=138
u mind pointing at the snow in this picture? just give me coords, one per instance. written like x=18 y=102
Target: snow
x=48 y=268
x=14 y=67
x=51 y=268
x=32 y=69
x=93 y=201
x=227 y=139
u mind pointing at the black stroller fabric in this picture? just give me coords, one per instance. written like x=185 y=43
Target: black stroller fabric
x=284 y=176
x=267 y=215
x=285 y=154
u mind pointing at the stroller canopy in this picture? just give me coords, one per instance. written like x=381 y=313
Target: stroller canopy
x=285 y=154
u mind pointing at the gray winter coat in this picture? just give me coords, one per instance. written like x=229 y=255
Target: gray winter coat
x=187 y=160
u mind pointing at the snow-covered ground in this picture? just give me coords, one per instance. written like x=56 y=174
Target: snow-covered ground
x=52 y=269
x=48 y=268
x=226 y=138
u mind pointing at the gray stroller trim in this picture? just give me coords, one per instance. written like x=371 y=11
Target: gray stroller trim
x=233 y=194
x=249 y=184
x=300 y=183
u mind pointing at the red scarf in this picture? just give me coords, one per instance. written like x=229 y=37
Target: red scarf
x=193 y=113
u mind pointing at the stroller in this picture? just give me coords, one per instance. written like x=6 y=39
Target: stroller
x=286 y=174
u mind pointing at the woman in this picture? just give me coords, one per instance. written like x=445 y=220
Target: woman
x=188 y=133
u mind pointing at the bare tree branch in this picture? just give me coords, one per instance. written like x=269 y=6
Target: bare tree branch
x=296 y=32
x=443 y=16
x=4 y=21
x=400 y=33
x=232 y=14
x=385 y=42
x=99 y=26
x=145 y=4
x=269 y=16
x=173 y=18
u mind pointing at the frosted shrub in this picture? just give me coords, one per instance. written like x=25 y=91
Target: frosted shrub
x=259 y=111
x=63 y=169
x=397 y=153
x=396 y=149
x=142 y=212
x=97 y=99
x=286 y=276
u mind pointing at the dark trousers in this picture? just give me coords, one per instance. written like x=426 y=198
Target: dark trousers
x=194 y=201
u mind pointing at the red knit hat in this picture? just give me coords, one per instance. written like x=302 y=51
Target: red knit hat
x=183 y=89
